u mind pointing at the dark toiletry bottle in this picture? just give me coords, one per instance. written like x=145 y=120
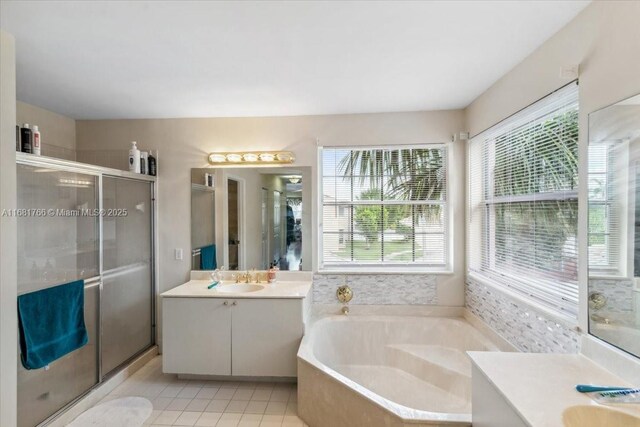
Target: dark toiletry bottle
x=25 y=138
x=151 y=164
x=143 y=164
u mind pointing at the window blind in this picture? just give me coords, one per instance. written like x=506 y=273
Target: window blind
x=384 y=207
x=523 y=202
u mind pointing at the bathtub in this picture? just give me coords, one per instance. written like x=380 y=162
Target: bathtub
x=387 y=371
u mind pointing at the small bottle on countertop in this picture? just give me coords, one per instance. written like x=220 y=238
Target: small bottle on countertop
x=271 y=275
x=134 y=158
x=152 y=165
x=37 y=141
x=25 y=138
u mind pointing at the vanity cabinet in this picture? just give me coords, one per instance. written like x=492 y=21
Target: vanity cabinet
x=196 y=336
x=248 y=337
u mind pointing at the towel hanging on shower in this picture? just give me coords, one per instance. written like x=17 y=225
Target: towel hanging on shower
x=51 y=323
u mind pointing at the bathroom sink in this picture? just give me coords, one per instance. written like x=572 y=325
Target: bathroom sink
x=597 y=416
x=240 y=288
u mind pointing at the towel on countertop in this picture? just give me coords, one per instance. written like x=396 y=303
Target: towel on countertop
x=51 y=323
x=208 y=258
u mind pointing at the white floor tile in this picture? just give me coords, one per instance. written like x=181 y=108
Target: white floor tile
x=171 y=391
x=280 y=395
x=229 y=420
x=256 y=407
x=276 y=408
x=262 y=394
x=161 y=403
x=198 y=405
x=237 y=406
x=189 y=392
x=217 y=405
x=242 y=394
x=271 y=421
x=207 y=393
x=225 y=394
x=250 y=420
x=178 y=404
x=167 y=418
x=292 y=421
x=187 y=418
x=152 y=417
x=208 y=419
x=292 y=408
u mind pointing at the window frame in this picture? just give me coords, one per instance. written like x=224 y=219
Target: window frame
x=376 y=268
x=480 y=196
x=618 y=202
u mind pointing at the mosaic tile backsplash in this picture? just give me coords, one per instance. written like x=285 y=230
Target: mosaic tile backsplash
x=619 y=294
x=523 y=326
x=377 y=289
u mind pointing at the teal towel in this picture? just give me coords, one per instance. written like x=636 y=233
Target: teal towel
x=208 y=258
x=51 y=323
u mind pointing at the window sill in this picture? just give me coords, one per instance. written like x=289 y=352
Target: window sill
x=613 y=276
x=566 y=321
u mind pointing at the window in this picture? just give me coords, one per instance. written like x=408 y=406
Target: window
x=384 y=208
x=607 y=198
x=523 y=202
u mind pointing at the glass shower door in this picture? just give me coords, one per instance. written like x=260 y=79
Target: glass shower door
x=126 y=300
x=58 y=242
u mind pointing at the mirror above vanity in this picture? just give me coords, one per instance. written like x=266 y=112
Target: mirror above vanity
x=614 y=224
x=251 y=218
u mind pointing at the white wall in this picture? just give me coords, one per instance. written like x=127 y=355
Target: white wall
x=184 y=144
x=58 y=132
x=605 y=40
x=8 y=245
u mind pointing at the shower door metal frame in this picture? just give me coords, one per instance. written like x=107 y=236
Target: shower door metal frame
x=100 y=172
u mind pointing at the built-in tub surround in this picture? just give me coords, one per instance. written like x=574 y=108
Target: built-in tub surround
x=528 y=329
x=377 y=289
x=387 y=371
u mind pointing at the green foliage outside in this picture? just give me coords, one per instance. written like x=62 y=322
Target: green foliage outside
x=397 y=175
x=542 y=160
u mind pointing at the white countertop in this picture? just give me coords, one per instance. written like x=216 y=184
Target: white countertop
x=541 y=386
x=280 y=289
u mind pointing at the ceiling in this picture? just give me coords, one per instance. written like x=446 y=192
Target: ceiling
x=104 y=60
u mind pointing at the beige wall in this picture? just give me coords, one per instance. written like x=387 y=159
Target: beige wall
x=8 y=246
x=58 y=132
x=605 y=40
x=184 y=144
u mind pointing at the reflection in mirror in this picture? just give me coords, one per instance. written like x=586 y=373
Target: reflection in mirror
x=245 y=218
x=614 y=224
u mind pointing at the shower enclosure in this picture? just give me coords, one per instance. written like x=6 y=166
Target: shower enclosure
x=78 y=221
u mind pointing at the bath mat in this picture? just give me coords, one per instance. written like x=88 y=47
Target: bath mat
x=122 y=412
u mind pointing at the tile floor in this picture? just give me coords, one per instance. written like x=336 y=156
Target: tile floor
x=179 y=402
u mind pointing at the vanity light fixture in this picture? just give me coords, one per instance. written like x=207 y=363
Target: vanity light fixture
x=267 y=157
x=251 y=157
x=294 y=180
x=234 y=158
x=217 y=158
